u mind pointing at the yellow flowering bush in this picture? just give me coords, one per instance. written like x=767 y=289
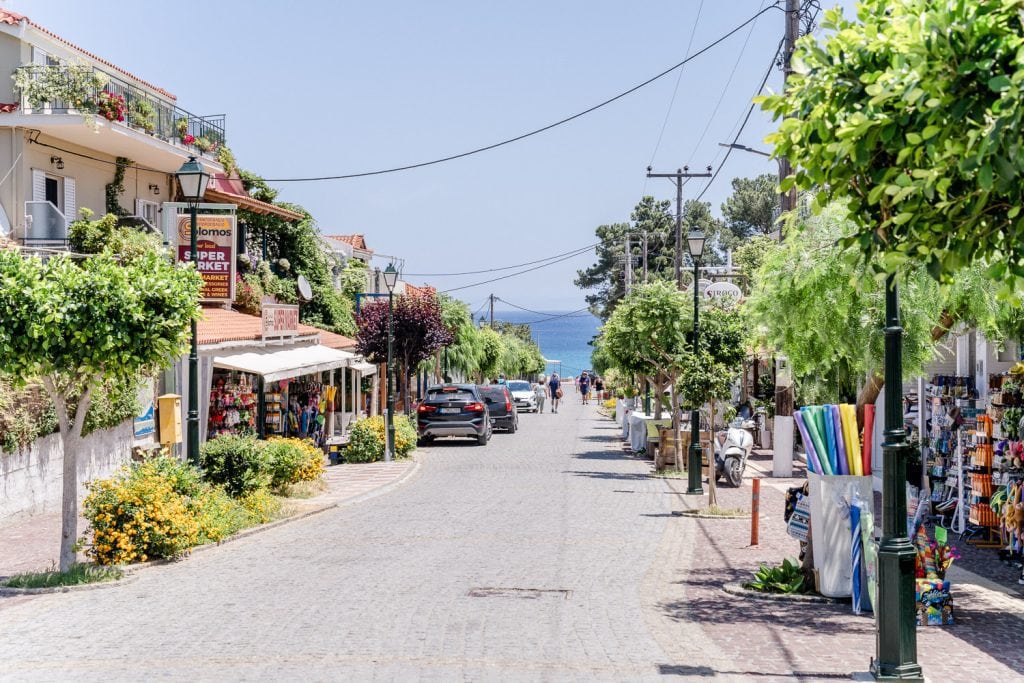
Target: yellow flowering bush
x=294 y=460
x=261 y=506
x=367 y=439
x=158 y=508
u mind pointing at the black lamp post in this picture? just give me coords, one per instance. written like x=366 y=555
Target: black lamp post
x=390 y=279
x=695 y=241
x=895 y=633
x=192 y=180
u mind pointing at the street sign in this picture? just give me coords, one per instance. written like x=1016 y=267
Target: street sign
x=723 y=290
x=280 y=320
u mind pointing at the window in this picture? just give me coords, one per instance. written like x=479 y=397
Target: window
x=148 y=211
x=53 y=193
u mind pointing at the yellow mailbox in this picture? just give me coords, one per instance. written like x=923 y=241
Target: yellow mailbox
x=170 y=418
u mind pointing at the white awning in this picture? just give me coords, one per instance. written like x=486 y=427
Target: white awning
x=276 y=363
x=364 y=368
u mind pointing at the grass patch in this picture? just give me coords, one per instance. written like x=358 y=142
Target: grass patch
x=304 y=489
x=669 y=473
x=79 y=574
x=716 y=511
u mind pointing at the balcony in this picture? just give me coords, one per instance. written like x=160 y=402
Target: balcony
x=103 y=100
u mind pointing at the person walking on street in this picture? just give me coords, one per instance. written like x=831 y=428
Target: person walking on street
x=539 y=394
x=585 y=388
x=599 y=388
x=555 y=387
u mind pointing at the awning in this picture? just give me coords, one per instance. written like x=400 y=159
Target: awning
x=275 y=364
x=230 y=191
x=364 y=368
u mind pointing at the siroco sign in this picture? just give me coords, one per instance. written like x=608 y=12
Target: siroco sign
x=216 y=253
x=723 y=291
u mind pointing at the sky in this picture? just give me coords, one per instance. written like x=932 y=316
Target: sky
x=331 y=87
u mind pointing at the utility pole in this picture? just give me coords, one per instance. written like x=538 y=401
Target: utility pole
x=645 y=257
x=628 y=265
x=792 y=18
x=678 y=177
x=491 y=299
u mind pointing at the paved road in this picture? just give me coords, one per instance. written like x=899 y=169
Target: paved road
x=532 y=558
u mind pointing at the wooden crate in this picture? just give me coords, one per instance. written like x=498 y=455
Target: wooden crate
x=665 y=453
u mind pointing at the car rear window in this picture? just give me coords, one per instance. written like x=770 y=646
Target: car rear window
x=519 y=386
x=450 y=394
x=494 y=392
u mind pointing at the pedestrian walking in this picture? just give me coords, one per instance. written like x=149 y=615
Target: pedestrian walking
x=539 y=395
x=555 y=389
x=599 y=388
x=585 y=388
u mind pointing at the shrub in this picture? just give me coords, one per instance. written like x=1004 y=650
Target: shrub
x=261 y=506
x=367 y=439
x=294 y=460
x=238 y=463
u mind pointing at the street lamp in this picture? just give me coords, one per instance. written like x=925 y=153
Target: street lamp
x=695 y=242
x=785 y=203
x=192 y=180
x=390 y=280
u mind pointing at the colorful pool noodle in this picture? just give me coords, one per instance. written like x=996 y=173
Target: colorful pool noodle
x=813 y=463
x=818 y=413
x=869 y=434
x=847 y=437
x=858 y=460
x=832 y=441
x=841 y=441
x=819 y=444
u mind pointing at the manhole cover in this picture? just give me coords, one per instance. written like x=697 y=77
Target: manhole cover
x=522 y=593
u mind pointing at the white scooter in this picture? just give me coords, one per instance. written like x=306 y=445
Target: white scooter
x=732 y=448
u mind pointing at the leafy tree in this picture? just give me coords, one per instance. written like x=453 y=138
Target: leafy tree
x=697 y=216
x=704 y=380
x=749 y=211
x=463 y=354
x=749 y=256
x=418 y=331
x=911 y=114
x=78 y=325
x=490 y=356
x=87 y=236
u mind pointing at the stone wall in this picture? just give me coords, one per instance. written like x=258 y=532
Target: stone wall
x=30 y=479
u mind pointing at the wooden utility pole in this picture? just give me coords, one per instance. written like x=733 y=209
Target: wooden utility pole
x=491 y=299
x=645 y=257
x=628 y=265
x=678 y=177
x=792 y=18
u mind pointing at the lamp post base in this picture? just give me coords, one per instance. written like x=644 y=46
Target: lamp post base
x=693 y=472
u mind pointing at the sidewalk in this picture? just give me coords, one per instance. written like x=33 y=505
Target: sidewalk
x=33 y=543
x=811 y=642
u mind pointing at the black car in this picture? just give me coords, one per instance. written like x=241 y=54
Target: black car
x=501 y=406
x=454 y=410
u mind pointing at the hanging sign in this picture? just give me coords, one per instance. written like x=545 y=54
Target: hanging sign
x=280 y=320
x=723 y=290
x=216 y=251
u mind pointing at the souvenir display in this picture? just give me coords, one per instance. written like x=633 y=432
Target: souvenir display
x=233 y=404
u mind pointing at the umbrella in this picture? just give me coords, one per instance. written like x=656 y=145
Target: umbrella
x=856 y=553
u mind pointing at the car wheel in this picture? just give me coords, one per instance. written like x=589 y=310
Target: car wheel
x=512 y=427
x=424 y=440
x=481 y=440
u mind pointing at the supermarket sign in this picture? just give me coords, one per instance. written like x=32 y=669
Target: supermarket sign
x=216 y=253
x=280 y=320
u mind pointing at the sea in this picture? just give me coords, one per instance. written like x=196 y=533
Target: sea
x=561 y=337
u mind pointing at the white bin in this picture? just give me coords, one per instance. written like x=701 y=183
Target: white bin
x=830 y=529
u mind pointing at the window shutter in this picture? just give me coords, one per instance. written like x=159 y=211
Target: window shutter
x=139 y=211
x=70 y=205
x=38 y=185
x=38 y=56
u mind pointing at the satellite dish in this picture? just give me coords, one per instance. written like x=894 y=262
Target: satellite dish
x=305 y=291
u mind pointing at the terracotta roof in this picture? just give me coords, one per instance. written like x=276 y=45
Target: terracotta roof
x=13 y=18
x=413 y=290
x=220 y=325
x=357 y=241
x=231 y=191
x=337 y=341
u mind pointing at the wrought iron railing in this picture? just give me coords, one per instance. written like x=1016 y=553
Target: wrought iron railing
x=68 y=89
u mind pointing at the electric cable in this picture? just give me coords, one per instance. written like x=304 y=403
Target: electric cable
x=542 y=129
x=518 y=265
x=571 y=314
x=522 y=272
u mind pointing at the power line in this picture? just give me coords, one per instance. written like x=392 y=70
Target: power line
x=536 y=131
x=746 y=118
x=571 y=314
x=518 y=265
x=505 y=277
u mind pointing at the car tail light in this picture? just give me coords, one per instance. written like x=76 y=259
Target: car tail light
x=427 y=409
x=508 y=405
x=475 y=408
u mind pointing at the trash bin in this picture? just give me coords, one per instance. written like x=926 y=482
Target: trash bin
x=830 y=529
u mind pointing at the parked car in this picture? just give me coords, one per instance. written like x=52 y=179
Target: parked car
x=454 y=410
x=501 y=406
x=523 y=396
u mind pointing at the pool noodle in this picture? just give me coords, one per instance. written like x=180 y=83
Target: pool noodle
x=818 y=413
x=858 y=464
x=819 y=445
x=847 y=436
x=869 y=432
x=842 y=460
x=813 y=464
x=831 y=441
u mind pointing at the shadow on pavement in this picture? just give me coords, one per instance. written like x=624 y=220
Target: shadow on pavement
x=629 y=476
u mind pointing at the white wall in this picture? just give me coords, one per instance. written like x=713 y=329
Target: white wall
x=31 y=479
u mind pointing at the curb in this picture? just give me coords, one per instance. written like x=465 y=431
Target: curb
x=736 y=588
x=131 y=571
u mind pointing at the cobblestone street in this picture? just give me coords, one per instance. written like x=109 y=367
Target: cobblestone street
x=520 y=560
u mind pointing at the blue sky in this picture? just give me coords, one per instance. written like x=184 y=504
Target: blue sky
x=333 y=87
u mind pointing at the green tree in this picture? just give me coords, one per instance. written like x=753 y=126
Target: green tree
x=464 y=353
x=912 y=115
x=749 y=256
x=749 y=211
x=78 y=325
x=491 y=349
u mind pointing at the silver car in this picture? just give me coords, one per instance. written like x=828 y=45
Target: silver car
x=522 y=394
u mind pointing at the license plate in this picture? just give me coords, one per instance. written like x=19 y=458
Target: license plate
x=450 y=411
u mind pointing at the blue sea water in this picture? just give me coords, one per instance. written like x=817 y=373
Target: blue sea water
x=566 y=339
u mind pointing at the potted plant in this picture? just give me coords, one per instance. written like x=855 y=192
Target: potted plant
x=181 y=128
x=110 y=106
x=142 y=115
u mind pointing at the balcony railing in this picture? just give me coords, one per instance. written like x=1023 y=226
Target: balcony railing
x=76 y=89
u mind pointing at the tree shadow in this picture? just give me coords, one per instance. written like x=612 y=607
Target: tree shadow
x=623 y=476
